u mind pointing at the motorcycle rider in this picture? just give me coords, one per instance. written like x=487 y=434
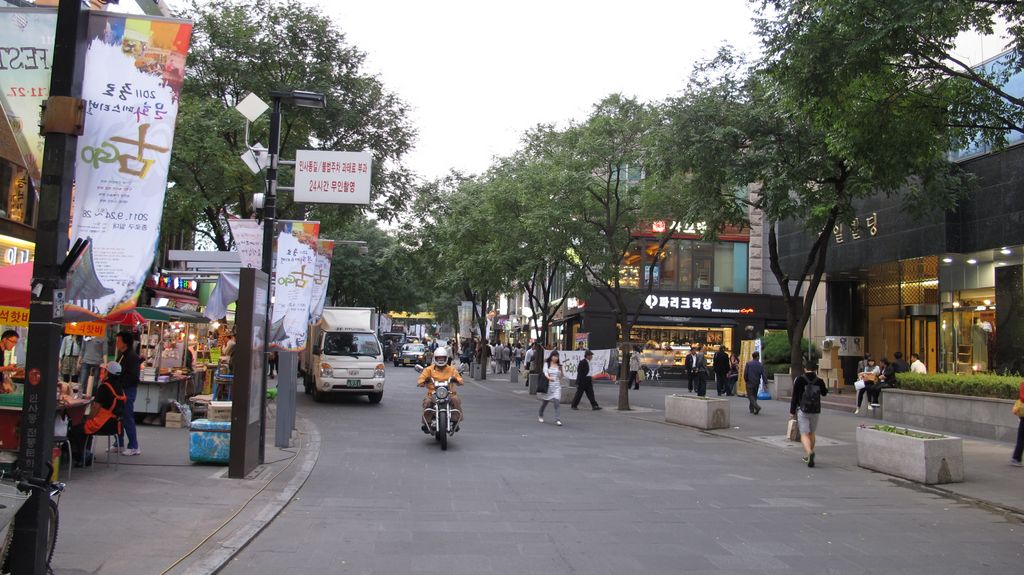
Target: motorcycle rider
x=440 y=370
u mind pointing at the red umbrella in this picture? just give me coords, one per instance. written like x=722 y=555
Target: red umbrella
x=15 y=285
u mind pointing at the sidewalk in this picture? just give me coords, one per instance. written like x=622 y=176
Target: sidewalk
x=159 y=513
x=989 y=480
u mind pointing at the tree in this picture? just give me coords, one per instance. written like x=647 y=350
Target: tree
x=829 y=48
x=734 y=127
x=604 y=159
x=243 y=46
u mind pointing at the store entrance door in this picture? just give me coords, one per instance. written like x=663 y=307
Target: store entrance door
x=922 y=339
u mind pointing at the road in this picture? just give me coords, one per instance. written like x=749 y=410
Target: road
x=608 y=492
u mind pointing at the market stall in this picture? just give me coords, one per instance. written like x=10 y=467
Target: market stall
x=169 y=343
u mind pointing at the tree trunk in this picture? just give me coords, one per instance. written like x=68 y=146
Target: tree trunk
x=626 y=352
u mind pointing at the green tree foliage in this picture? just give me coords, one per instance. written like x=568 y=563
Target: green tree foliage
x=832 y=50
x=734 y=127
x=243 y=46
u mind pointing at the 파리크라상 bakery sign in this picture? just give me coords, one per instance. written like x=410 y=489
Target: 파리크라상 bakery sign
x=695 y=303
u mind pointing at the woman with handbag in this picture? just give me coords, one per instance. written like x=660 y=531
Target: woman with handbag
x=553 y=376
x=1018 y=410
x=866 y=378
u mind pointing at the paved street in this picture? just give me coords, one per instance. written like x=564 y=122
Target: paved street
x=608 y=492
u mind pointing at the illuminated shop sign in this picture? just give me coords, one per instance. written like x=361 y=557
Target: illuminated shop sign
x=662 y=302
x=856 y=229
x=16 y=251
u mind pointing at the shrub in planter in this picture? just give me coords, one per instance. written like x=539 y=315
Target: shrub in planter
x=981 y=385
x=775 y=348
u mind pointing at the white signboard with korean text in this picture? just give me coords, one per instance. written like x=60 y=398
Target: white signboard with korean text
x=248 y=236
x=700 y=303
x=327 y=177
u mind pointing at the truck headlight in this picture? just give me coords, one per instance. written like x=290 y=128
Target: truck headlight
x=325 y=370
x=379 y=371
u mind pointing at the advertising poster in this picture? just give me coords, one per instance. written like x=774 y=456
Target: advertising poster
x=26 y=55
x=248 y=236
x=134 y=69
x=294 y=267
x=321 y=277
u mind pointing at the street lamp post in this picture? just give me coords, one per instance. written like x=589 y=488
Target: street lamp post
x=301 y=99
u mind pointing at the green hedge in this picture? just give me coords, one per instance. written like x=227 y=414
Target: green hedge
x=772 y=368
x=775 y=348
x=997 y=386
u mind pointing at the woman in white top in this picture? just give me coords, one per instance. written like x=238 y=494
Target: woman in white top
x=868 y=377
x=554 y=374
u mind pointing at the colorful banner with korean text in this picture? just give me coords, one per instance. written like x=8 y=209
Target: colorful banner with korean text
x=26 y=55
x=598 y=364
x=321 y=277
x=248 y=235
x=295 y=260
x=134 y=69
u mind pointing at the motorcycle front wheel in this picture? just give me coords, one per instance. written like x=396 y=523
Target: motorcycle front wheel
x=442 y=429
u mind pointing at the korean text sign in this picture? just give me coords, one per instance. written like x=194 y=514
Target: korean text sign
x=327 y=177
x=294 y=274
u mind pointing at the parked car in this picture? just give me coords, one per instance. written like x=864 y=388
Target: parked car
x=413 y=354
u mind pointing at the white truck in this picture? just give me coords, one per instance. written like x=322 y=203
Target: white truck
x=344 y=356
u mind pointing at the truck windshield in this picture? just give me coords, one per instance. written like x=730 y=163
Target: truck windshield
x=346 y=343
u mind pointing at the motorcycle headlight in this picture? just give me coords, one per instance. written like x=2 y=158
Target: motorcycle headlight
x=441 y=392
x=325 y=370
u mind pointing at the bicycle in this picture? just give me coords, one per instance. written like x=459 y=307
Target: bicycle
x=53 y=491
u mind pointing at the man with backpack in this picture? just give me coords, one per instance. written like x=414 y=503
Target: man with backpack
x=805 y=407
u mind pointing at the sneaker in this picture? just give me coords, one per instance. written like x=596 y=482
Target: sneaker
x=810 y=463
x=1015 y=462
x=874 y=405
x=573 y=407
x=596 y=408
x=857 y=411
x=558 y=422
x=806 y=460
x=540 y=419
x=131 y=452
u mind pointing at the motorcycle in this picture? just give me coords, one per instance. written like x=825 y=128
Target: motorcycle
x=441 y=426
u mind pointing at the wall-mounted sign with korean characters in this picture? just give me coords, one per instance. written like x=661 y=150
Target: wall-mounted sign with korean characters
x=325 y=177
x=696 y=304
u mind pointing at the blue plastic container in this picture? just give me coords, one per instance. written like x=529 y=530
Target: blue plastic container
x=209 y=441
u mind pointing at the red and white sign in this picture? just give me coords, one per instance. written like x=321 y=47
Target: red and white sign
x=326 y=177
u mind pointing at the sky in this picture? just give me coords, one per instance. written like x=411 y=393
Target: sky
x=478 y=74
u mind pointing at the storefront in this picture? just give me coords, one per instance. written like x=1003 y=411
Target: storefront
x=674 y=322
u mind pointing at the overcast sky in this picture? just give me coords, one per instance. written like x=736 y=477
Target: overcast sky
x=478 y=74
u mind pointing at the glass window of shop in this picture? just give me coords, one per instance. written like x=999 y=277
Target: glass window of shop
x=687 y=265
x=968 y=322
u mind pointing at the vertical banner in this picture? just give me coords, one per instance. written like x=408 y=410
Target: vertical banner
x=466 y=319
x=321 y=277
x=134 y=69
x=26 y=43
x=248 y=236
x=295 y=260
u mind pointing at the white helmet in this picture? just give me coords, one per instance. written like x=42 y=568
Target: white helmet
x=441 y=357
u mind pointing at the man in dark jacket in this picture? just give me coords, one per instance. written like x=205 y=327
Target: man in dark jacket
x=753 y=375
x=131 y=372
x=899 y=365
x=720 y=363
x=805 y=407
x=698 y=372
x=585 y=383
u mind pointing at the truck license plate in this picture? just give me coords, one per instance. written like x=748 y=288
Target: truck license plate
x=354 y=383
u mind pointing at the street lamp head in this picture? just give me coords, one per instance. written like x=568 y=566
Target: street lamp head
x=301 y=98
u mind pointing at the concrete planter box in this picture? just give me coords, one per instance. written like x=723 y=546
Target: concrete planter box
x=983 y=417
x=695 y=412
x=513 y=375
x=474 y=370
x=937 y=459
x=781 y=387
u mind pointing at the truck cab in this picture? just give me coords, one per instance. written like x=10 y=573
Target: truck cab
x=345 y=356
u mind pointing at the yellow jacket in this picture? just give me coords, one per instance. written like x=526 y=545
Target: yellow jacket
x=432 y=372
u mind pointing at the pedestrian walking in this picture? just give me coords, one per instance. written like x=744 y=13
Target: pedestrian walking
x=805 y=407
x=691 y=373
x=506 y=358
x=131 y=373
x=753 y=375
x=554 y=374
x=634 y=368
x=94 y=353
x=700 y=373
x=1018 y=410
x=585 y=383
x=720 y=364
x=272 y=364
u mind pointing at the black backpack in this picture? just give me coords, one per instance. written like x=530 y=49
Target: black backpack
x=811 y=400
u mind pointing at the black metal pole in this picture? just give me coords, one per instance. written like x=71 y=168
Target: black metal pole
x=269 y=223
x=46 y=321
